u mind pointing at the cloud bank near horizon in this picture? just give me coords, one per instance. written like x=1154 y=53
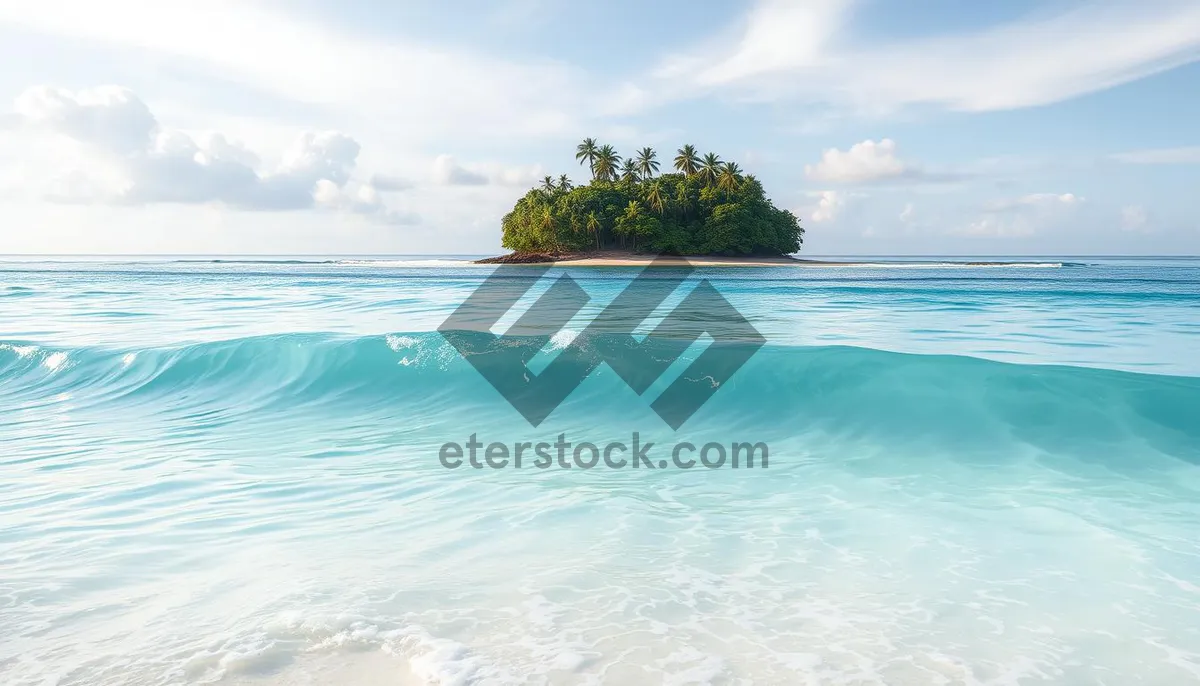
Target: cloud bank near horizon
x=869 y=131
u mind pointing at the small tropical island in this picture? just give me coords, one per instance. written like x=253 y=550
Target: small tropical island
x=707 y=209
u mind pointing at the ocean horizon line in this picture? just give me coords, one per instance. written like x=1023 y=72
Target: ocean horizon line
x=485 y=254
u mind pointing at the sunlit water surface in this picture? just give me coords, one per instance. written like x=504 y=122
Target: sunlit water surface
x=227 y=472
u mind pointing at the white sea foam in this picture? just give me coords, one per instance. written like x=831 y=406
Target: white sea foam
x=951 y=265
x=54 y=361
x=925 y=520
x=464 y=262
x=21 y=351
x=398 y=343
x=562 y=338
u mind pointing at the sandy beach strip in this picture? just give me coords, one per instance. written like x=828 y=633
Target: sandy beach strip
x=627 y=259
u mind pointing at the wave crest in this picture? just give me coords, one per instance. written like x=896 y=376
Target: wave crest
x=782 y=391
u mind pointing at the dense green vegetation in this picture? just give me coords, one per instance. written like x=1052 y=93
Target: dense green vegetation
x=707 y=207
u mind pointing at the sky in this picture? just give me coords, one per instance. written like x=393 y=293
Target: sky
x=890 y=127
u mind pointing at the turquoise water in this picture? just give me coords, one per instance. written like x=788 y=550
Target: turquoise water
x=227 y=472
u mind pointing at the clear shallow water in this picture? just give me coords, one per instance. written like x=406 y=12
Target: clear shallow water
x=227 y=472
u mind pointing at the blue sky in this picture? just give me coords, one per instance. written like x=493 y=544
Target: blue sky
x=411 y=126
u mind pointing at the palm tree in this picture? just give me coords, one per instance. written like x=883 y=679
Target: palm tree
x=654 y=197
x=605 y=166
x=646 y=162
x=546 y=223
x=593 y=227
x=587 y=151
x=548 y=184
x=710 y=169
x=683 y=200
x=633 y=212
x=629 y=171
x=564 y=183
x=686 y=160
x=731 y=176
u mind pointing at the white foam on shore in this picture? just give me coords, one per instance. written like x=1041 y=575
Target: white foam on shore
x=465 y=262
x=700 y=262
x=946 y=265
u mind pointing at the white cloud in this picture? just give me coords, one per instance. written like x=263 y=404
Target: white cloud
x=448 y=172
x=387 y=183
x=1021 y=216
x=907 y=214
x=1036 y=200
x=110 y=117
x=325 y=155
x=803 y=51
x=778 y=35
x=865 y=161
x=997 y=226
x=411 y=90
x=364 y=200
x=517 y=175
x=829 y=204
x=128 y=158
x=265 y=72
x=1183 y=155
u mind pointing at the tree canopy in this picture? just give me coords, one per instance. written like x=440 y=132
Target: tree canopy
x=705 y=207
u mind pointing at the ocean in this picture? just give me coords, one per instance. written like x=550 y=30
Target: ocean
x=230 y=471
